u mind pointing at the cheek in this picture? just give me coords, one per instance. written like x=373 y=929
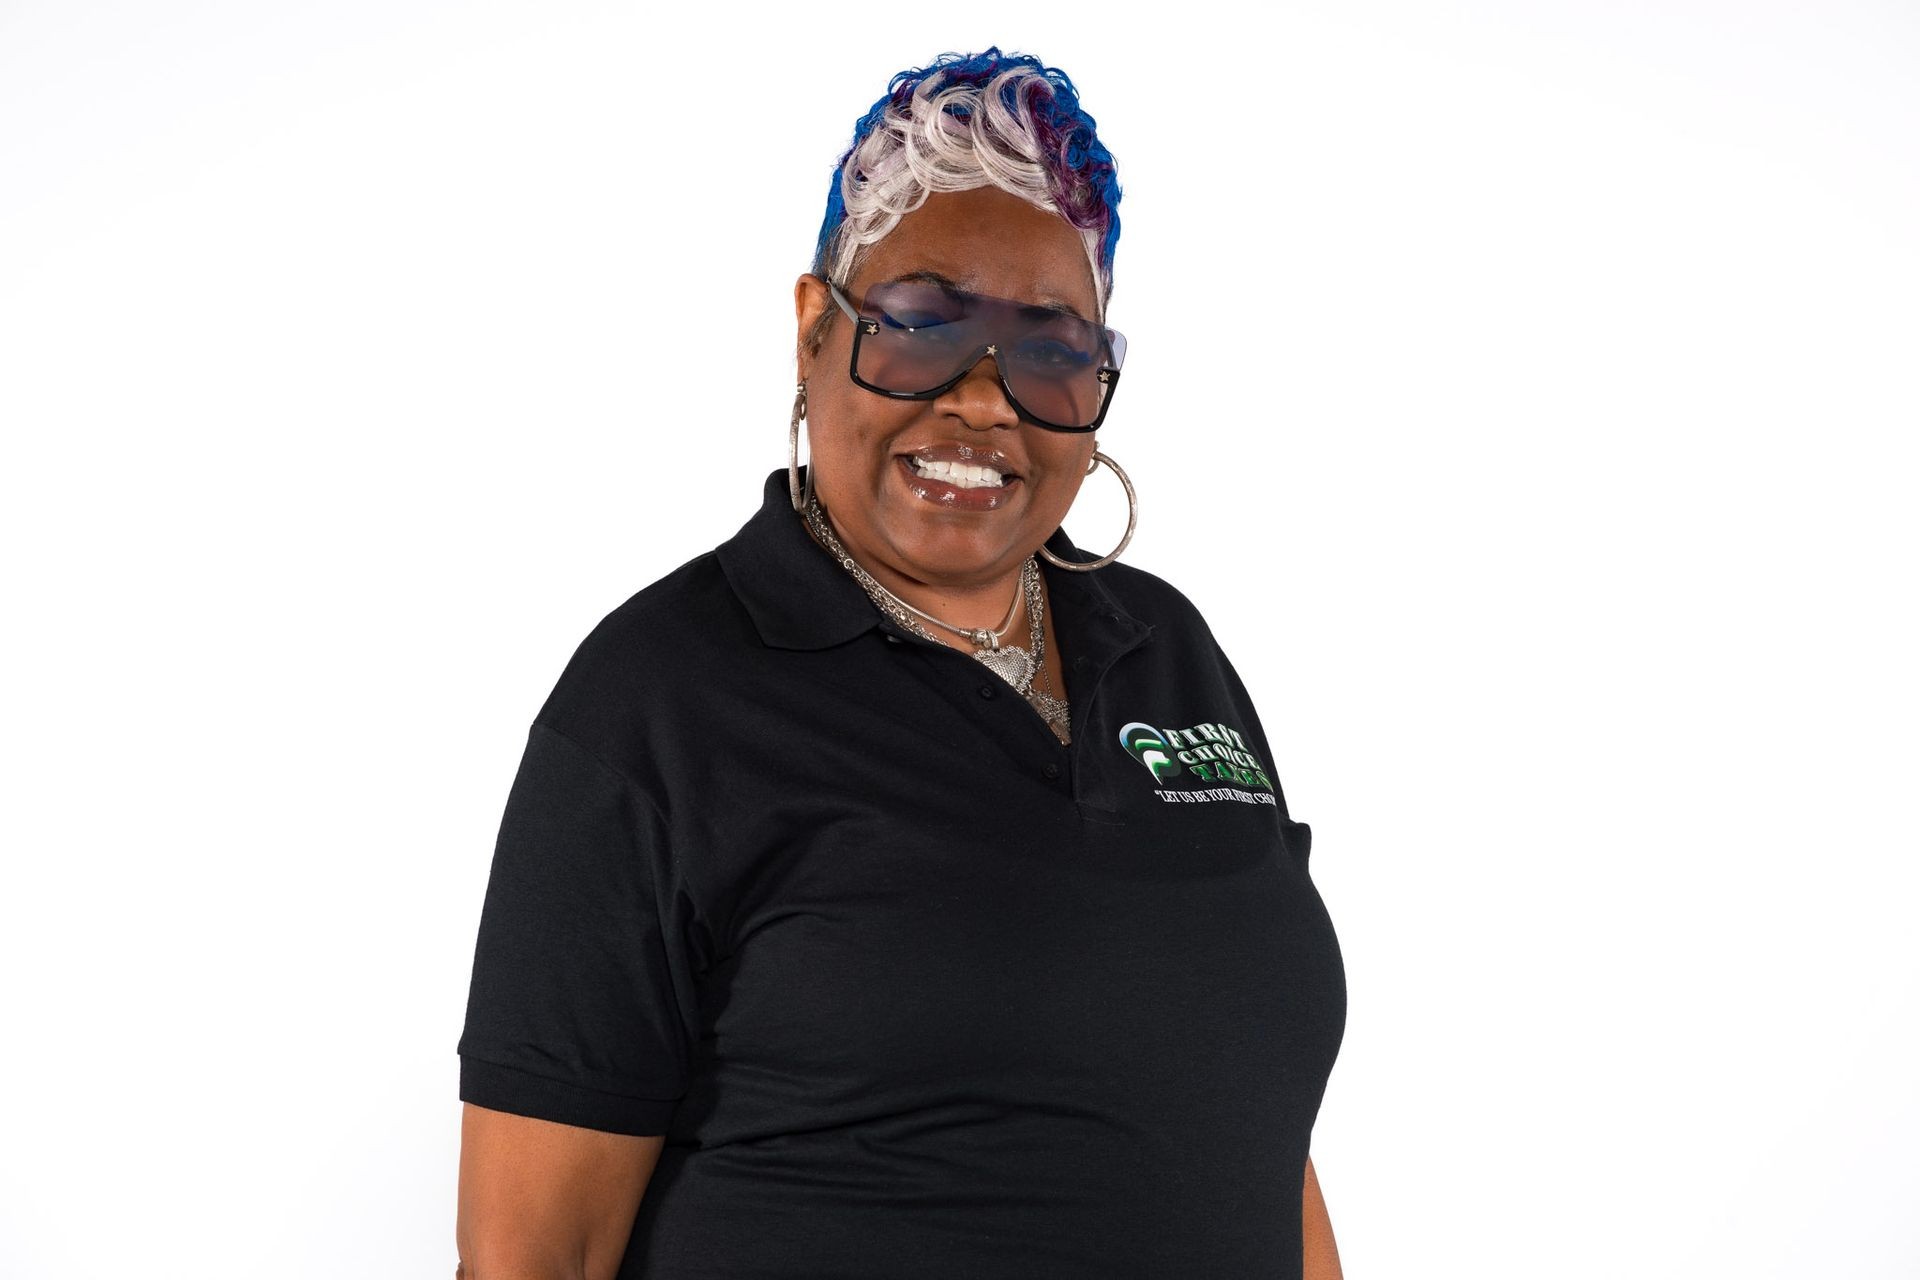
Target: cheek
x=848 y=418
x=1069 y=462
x=1066 y=472
x=853 y=436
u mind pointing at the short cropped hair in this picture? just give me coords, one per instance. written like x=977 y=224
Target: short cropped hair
x=966 y=121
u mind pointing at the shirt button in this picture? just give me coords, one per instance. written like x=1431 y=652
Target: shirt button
x=986 y=691
x=1052 y=771
x=893 y=639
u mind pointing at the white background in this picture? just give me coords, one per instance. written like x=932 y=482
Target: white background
x=1526 y=393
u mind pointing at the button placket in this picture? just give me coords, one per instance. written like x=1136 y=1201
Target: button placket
x=1054 y=762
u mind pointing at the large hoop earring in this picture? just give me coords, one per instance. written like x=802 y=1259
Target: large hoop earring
x=800 y=500
x=1133 y=514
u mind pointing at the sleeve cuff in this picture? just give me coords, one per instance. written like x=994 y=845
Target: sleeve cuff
x=520 y=1093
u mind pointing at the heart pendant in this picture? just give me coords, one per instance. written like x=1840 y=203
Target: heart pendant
x=1010 y=662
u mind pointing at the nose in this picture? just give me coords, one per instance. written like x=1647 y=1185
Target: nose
x=978 y=399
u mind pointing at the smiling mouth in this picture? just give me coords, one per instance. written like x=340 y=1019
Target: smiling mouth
x=961 y=475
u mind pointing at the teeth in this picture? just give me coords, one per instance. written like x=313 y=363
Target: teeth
x=961 y=475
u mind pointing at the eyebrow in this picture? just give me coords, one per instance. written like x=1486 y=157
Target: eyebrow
x=1045 y=306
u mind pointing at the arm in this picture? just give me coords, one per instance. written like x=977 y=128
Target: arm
x=546 y=1201
x=1321 y=1257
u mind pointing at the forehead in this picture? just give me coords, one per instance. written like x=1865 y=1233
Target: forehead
x=988 y=241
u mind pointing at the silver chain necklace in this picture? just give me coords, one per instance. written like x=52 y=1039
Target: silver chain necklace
x=1015 y=665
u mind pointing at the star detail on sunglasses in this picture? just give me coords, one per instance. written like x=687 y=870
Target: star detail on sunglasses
x=992 y=350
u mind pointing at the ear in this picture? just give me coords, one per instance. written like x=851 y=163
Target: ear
x=811 y=302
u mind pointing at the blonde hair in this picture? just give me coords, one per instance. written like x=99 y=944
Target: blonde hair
x=969 y=121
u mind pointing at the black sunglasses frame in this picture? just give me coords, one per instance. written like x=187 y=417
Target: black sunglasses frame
x=864 y=325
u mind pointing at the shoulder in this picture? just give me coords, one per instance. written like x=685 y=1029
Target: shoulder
x=671 y=636
x=685 y=605
x=1154 y=601
x=1180 y=640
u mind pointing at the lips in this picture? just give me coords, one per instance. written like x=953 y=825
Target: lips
x=973 y=455
x=955 y=497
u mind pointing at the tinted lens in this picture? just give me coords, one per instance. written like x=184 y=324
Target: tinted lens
x=928 y=335
x=924 y=339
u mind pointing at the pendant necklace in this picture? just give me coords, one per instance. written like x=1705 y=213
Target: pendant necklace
x=1013 y=664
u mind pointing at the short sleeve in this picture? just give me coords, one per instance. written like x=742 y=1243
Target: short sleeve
x=577 y=1008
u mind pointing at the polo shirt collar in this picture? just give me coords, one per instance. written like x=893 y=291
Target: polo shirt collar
x=799 y=598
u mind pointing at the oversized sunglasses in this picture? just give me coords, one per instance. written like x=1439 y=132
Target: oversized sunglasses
x=915 y=338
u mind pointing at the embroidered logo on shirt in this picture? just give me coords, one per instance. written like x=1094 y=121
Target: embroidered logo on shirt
x=1210 y=752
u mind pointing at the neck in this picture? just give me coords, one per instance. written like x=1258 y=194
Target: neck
x=975 y=605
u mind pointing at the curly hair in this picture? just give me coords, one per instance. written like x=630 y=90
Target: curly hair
x=965 y=121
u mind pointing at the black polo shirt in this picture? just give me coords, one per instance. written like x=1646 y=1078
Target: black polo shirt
x=912 y=988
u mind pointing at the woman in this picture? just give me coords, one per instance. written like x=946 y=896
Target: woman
x=894 y=890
